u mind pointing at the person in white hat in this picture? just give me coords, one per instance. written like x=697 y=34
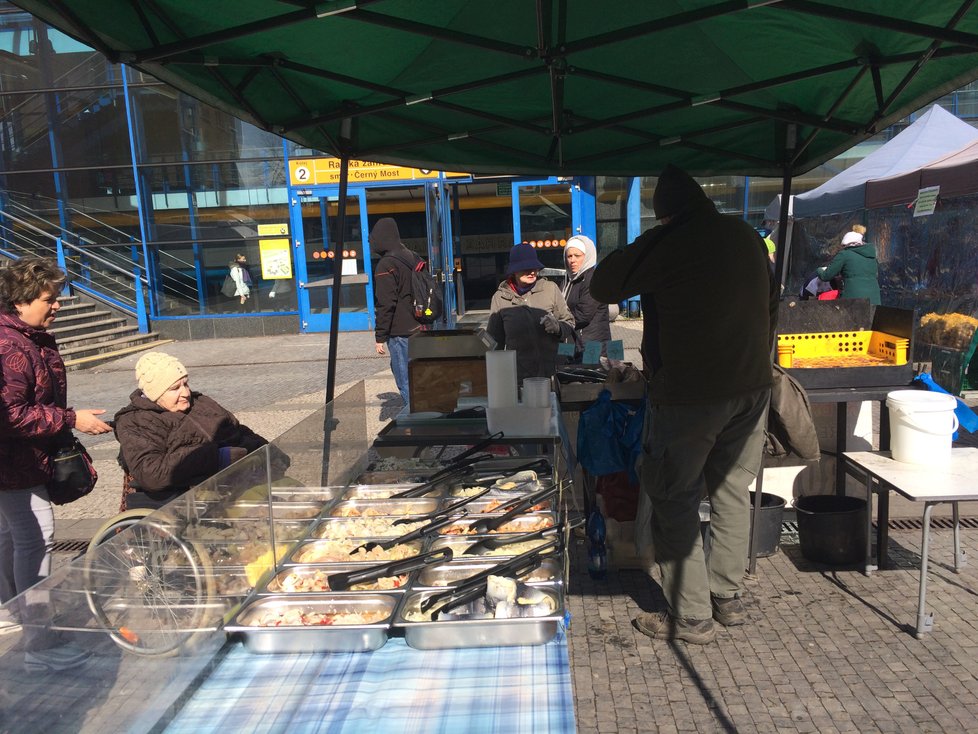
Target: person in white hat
x=591 y=322
x=172 y=438
x=856 y=263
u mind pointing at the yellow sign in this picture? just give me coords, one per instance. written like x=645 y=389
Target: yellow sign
x=324 y=171
x=276 y=255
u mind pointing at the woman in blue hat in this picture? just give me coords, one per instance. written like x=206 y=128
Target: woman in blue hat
x=528 y=314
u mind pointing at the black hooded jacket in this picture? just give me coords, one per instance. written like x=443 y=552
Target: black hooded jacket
x=394 y=309
x=708 y=297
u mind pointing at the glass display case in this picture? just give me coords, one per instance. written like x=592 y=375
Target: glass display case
x=159 y=607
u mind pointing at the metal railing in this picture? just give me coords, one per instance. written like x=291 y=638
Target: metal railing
x=121 y=287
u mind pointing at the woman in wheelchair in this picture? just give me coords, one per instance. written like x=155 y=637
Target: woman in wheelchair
x=171 y=438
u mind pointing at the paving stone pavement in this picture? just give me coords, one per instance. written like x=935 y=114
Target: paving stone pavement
x=827 y=649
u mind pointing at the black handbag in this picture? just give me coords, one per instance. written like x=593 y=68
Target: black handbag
x=73 y=474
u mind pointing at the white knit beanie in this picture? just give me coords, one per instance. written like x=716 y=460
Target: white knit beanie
x=156 y=372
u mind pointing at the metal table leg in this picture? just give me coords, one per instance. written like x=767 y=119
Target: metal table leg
x=960 y=558
x=868 y=566
x=925 y=621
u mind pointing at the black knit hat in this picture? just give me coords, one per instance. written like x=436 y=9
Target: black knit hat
x=385 y=235
x=674 y=191
x=523 y=257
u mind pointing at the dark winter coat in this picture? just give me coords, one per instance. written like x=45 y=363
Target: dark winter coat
x=697 y=346
x=514 y=322
x=33 y=403
x=591 y=322
x=392 y=291
x=167 y=450
x=858 y=267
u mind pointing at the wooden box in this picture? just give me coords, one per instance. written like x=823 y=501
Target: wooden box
x=436 y=384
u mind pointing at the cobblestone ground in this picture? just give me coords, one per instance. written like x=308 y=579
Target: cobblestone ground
x=827 y=649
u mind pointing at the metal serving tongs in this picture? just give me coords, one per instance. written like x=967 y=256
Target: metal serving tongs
x=422 y=489
x=413 y=535
x=487 y=525
x=498 y=541
x=474 y=586
x=534 y=465
x=442 y=512
x=459 y=462
x=344 y=580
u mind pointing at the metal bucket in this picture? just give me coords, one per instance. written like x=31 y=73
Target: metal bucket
x=769 y=530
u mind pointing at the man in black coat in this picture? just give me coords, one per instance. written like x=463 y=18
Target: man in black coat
x=709 y=366
x=394 y=298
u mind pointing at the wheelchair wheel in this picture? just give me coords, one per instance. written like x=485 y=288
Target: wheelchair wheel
x=147 y=587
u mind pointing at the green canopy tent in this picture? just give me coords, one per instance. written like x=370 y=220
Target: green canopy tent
x=573 y=87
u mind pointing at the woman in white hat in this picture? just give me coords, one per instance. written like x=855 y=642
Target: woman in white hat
x=856 y=263
x=591 y=321
x=172 y=438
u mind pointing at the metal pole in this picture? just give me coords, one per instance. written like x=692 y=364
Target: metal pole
x=334 y=306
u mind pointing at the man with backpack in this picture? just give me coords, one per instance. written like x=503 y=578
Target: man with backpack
x=395 y=298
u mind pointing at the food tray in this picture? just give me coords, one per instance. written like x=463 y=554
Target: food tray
x=319 y=495
x=280 y=510
x=477 y=632
x=384 y=491
x=490 y=504
x=337 y=528
x=395 y=477
x=446 y=574
x=389 y=507
x=216 y=530
x=315 y=575
x=517 y=525
x=337 y=551
x=318 y=638
x=459 y=545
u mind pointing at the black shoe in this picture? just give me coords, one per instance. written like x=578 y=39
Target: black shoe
x=729 y=612
x=662 y=626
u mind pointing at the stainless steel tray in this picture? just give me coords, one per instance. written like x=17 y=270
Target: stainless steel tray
x=226 y=530
x=280 y=510
x=384 y=491
x=477 y=632
x=307 y=494
x=311 y=579
x=491 y=503
x=338 y=551
x=377 y=507
x=395 y=476
x=517 y=525
x=301 y=638
x=458 y=546
x=337 y=528
x=446 y=574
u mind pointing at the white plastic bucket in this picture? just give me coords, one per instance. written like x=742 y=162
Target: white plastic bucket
x=921 y=425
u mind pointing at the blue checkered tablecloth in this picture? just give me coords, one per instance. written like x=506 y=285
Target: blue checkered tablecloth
x=393 y=689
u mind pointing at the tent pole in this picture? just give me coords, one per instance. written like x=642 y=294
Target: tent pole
x=783 y=243
x=334 y=305
x=780 y=264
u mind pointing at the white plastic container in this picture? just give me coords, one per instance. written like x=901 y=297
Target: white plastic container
x=921 y=425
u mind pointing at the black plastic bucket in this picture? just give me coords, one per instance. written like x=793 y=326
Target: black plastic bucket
x=769 y=527
x=832 y=529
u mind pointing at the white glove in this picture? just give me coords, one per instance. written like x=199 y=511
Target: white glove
x=550 y=323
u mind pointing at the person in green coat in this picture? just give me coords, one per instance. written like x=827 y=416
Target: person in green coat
x=856 y=263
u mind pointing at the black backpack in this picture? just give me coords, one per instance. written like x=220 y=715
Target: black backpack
x=425 y=291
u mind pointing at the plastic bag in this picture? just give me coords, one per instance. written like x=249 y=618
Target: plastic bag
x=609 y=436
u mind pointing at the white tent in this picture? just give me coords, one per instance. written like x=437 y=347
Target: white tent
x=934 y=134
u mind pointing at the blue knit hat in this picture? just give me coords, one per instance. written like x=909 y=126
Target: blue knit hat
x=523 y=257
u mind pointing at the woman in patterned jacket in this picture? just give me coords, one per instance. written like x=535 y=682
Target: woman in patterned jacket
x=33 y=411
